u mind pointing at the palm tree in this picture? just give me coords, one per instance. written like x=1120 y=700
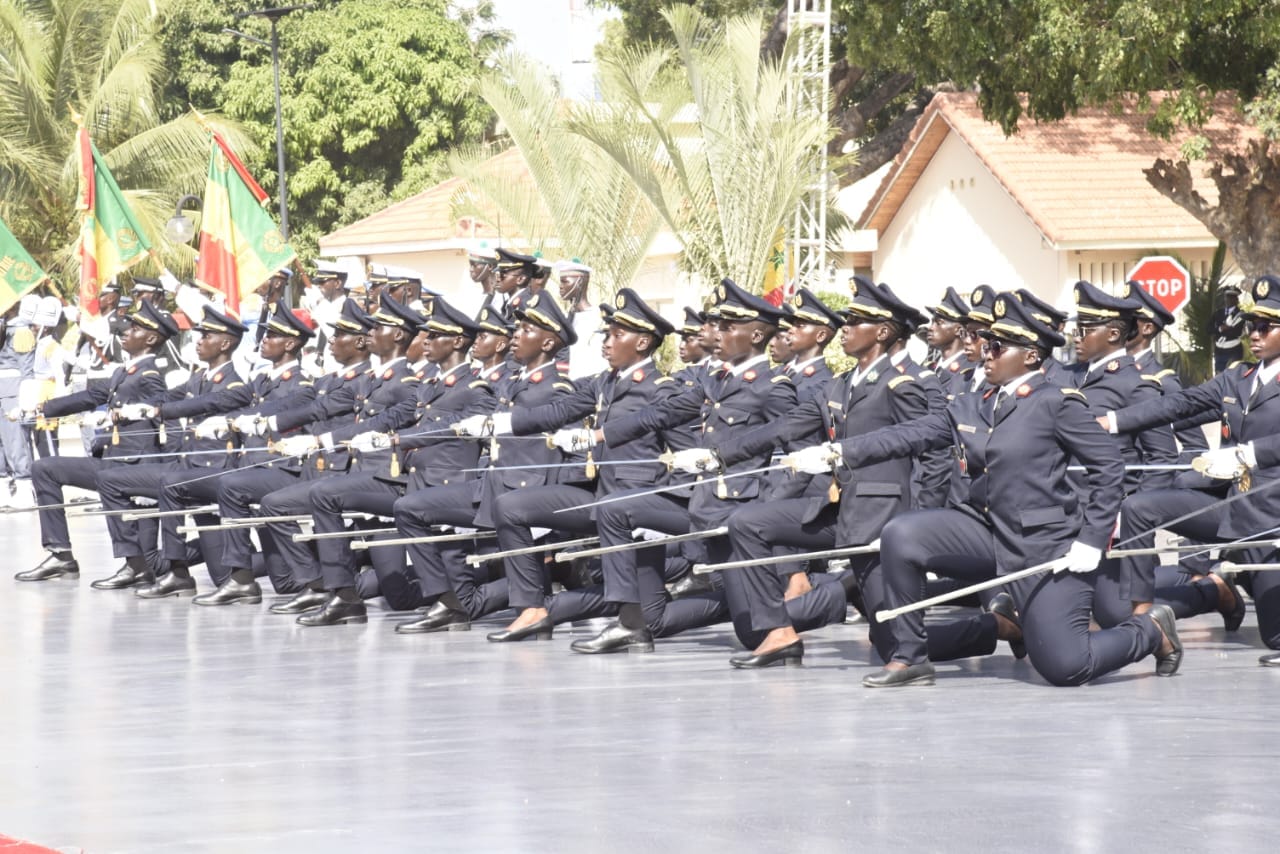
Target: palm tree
x=710 y=133
x=99 y=59
x=579 y=201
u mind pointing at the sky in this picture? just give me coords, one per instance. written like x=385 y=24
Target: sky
x=560 y=33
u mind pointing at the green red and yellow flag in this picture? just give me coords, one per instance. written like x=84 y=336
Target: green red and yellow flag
x=19 y=273
x=111 y=239
x=240 y=246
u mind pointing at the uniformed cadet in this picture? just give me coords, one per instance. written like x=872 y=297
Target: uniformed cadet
x=692 y=350
x=976 y=320
x=1108 y=378
x=459 y=593
x=780 y=345
x=325 y=300
x=169 y=360
x=99 y=345
x=743 y=394
x=1054 y=371
x=946 y=337
x=394 y=326
x=1153 y=318
x=284 y=384
x=1017 y=439
x=136 y=381
x=1247 y=396
x=632 y=384
x=810 y=327
x=846 y=507
x=220 y=335
x=515 y=271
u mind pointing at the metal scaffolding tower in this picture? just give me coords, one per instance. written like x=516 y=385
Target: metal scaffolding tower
x=809 y=25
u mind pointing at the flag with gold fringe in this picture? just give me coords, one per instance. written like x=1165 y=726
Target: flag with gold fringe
x=240 y=246
x=19 y=273
x=111 y=239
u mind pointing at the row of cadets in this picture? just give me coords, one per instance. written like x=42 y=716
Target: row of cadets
x=138 y=380
x=456 y=592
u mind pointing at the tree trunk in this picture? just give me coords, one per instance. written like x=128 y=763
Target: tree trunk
x=1247 y=216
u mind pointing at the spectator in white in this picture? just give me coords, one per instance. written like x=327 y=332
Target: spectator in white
x=17 y=359
x=48 y=373
x=324 y=300
x=98 y=352
x=1227 y=327
x=169 y=360
x=585 y=358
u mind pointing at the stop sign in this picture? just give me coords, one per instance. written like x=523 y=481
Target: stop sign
x=1165 y=279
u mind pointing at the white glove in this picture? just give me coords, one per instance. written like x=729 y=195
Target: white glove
x=473 y=425
x=297 y=446
x=249 y=425
x=169 y=282
x=1081 y=557
x=816 y=459
x=648 y=535
x=136 y=411
x=97 y=420
x=694 y=460
x=369 y=441
x=1225 y=463
x=213 y=427
x=501 y=423
x=573 y=439
x=15 y=414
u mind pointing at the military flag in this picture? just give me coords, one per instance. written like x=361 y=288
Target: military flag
x=19 y=273
x=111 y=240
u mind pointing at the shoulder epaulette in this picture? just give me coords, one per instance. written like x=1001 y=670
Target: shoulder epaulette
x=781 y=378
x=307 y=383
x=1237 y=363
x=235 y=384
x=1077 y=392
x=563 y=385
x=151 y=373
x=661 y=380
x=412 y=378
x=926 y=373
x=899 y=380
x=478 y=384
x=1166 y=372
x=1152 y=378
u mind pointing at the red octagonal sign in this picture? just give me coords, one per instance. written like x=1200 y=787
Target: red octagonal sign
x=1165 y=279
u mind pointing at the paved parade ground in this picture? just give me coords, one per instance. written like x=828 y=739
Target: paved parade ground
x=163 y=727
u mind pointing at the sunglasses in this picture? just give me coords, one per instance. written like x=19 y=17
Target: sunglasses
x=996 y=348
x=1258 y=327
x=1083 y=329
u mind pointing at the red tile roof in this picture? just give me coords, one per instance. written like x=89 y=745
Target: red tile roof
x=1079 y=180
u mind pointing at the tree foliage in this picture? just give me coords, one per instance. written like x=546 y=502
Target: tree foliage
x=708 y=133
x=373 y=92
x=579 y=196
x=98 y=59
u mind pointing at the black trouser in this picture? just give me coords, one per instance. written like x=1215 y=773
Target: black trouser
x=236 y=492
x=515 y=512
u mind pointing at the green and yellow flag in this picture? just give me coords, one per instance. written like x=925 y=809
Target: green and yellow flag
x=111 y=240
x=19 y=273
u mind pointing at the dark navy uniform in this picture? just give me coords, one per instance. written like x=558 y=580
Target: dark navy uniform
x=1020 y=511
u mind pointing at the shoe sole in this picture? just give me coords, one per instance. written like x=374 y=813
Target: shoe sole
x=248 y=600
x=69 y=576
x=276 y=609
x=919 y=680
x=344 y=621
x=542 y=636
x=778 y=662
x=627 y=648
x=176 y=594
x=453 y=627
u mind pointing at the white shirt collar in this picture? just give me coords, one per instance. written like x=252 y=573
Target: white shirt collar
x=739 y=369
x=453 y=370
x=129 y=363
x=1267 y=373
x=1141 y=354
x=1114 y=354
x=899 y=357
x=637 y=366
x=390 y=363
x=276 y=373
x=1010 y=387
x=796 y=367
x=943 y=364
x=858 y=375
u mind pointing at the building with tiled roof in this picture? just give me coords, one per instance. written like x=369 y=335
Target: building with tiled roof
x=962 y=204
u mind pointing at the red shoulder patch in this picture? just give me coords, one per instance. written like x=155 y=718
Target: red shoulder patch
x=388 y=373
x=637 y=376
x=562 y=367
x=1249 y=372
x=749 y=376
x=954 y=367
x=1023 y=390
x=809 y=371
x=349 y=375
x=1113 y=366
x=133 y=369
x=451 y=379
x=217 y=378
x=495 y=376
x=287 y=375
x=990 y=392
x=536 y=377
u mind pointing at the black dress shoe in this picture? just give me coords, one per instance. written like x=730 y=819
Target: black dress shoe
x=691 y=583
x=1232 y=619
x=913 y=674
x=232 y=592
x=791 y=654
x=440 y=618
x=1167 y=665
x=335 y=612
x=307 y=600
x=1002 y=604
x=542 y=630
x=51 y=567
x=125 y=577
x=170 y=585
x=1271 y=659
x=616 y=638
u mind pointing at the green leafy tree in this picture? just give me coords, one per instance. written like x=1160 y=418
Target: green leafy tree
x=1045 y=60
x=708 y=133
x=98 y=59
x=578 y=196
x=374 y=92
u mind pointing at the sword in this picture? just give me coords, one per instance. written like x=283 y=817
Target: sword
x=562 y=557
x=301 y=537
x=80 y=502
x=1223 y=502
x=630 y=495
x=360 y=545
x=1145 y=467
x=596 y=463
x=708 y=568
x=1198 y=548
x=1228 y=566
x=133 y=514
x=476 y=560
x=260 y=521
x=998 y=581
